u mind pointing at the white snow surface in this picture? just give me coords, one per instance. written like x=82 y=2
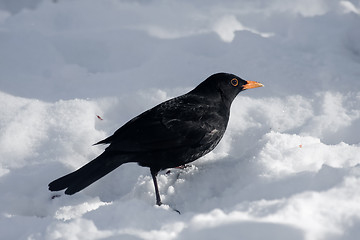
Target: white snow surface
x=287 y=168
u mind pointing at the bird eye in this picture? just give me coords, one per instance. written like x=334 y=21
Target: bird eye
x=234 y=82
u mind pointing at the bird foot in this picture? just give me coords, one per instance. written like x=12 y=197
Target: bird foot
x=182 y=167
x=55 y=196
x=175 y=210
x=165 y=206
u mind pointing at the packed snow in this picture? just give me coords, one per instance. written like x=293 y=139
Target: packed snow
x=288 y=167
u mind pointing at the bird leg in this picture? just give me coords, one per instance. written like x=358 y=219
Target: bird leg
x=154 y=174
x=158 y=199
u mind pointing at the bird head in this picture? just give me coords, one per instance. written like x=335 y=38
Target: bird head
x=226 y=85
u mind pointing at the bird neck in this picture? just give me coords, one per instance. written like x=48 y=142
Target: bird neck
x=226 y=101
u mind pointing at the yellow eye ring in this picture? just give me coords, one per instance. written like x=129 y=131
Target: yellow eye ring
x=234 y=82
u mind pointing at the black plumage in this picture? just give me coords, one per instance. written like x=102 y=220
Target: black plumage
x=171 y=134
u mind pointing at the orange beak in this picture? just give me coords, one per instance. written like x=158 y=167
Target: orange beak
x=252 y=84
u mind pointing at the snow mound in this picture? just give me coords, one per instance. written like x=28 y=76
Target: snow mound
x=72 y=72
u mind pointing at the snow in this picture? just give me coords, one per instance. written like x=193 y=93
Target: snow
x=287 y=168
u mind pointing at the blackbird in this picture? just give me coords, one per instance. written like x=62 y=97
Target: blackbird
x=173 y=133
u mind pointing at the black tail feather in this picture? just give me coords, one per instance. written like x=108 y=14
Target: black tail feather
x=88 y=174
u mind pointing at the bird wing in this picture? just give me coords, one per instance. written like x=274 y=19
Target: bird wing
x=172 y=124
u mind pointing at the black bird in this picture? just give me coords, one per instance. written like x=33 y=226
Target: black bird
x=173 y=133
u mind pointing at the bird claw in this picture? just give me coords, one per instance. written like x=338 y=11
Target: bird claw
x=181 y=167
x=184 y=166
x=175 y=210
x=55 y=196
x=165 y=206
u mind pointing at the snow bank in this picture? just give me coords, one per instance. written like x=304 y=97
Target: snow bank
x=72 y=72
